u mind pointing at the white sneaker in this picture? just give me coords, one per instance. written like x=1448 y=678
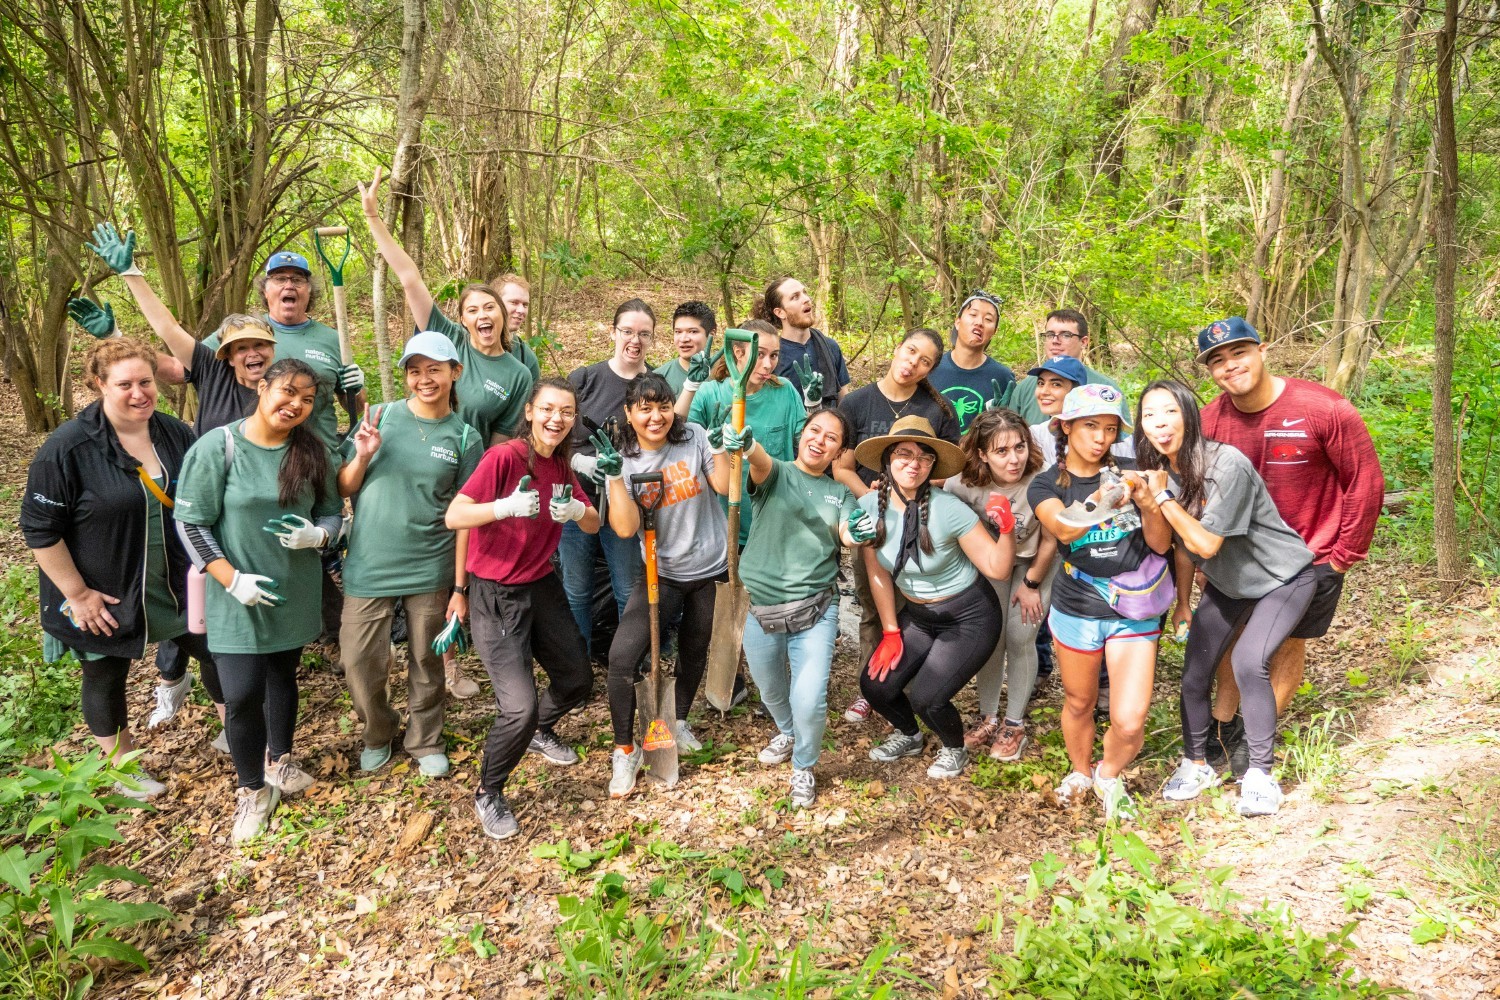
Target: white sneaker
x=685 y=738
x=252 y=811
x=1074 y=785
x=1189 y=781
x=169 y=699
x=221 y=742
x=1111 y=792
x=779 y=750
x=896 y=746
x=288 y=778
x=950 y=763
x=804 y=788
x=149 y=788
x=623 y=770
x=1260 y=794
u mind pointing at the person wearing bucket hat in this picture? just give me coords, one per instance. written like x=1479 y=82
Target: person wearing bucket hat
x=1065 y=335
x=1113 y=587
x=931 y=547
x=968 y=378
x=402 y=467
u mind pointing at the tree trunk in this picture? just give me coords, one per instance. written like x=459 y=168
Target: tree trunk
x=1274 y=217
x=1446 y=539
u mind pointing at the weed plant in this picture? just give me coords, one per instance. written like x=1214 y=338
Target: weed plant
x=1312 y=752
x=1466 y=858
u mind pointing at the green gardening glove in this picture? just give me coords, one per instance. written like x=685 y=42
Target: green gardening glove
x=117 y=253
x=451 y=637
x=999 y=395
x=700 y=364
x=610 y=462
x=811 y=380
x=717 y=418
x=738 y=440
x=861 y=525
x=98 y=320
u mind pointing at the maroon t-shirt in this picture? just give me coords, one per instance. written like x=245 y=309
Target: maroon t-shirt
x=1312 y=449
x=516 y=550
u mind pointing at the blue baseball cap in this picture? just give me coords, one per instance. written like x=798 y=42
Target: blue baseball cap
x=428 y=344
x=285 y=258
x=1069 y=368
x=1224 y=331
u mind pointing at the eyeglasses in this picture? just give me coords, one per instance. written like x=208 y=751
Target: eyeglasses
x=548 y=412
x=914 y=457
x=1061 y=335
x=299 y=280
x=640 y=336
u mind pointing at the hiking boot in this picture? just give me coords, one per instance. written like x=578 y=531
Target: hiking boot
x=686 y=741
x=434 y=765
x=1116 y=800
x=741 y=692
x=858 y=711
x=1260 y=794
x=1101 y=705
x=779 y=750
x=949 y=763
x=1011 y=743
x=804 y=788
x=1073 y=787
x=374 y=758
x=896 y=746
x=1189 y=781
x=1232 y=735
x=983 y=733
x=252 y=811
x=495 y=816
x=624 y=767
x=288 y=778
x=546 y=743
x=148 y=787
x=169 y=700
x=459 y=685
x=221 y=742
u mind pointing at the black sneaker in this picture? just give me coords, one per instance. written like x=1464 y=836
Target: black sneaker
x=1215 y=754
x=495 y=816
x=1232 y=736
x=546 y=743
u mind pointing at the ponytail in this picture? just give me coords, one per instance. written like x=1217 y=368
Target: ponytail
x=1061 y=437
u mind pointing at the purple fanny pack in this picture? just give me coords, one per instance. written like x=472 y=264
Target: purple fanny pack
x=1140 y=594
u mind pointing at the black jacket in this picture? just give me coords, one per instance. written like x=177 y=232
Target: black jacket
x=83 y=489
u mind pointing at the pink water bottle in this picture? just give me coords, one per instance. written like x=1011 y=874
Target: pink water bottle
x=197 y=622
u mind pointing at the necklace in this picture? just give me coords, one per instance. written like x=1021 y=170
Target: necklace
x=896 y=414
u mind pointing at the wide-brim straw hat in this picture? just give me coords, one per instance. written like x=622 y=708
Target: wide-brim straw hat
x=950 y=457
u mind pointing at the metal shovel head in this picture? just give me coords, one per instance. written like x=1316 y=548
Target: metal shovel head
x=656 y=700
x=731 y=605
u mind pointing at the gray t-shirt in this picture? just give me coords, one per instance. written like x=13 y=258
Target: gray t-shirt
x=1259 y=552
x=691 y=530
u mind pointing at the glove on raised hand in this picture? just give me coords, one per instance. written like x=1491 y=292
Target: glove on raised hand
x=524 y=502
x=97 y=321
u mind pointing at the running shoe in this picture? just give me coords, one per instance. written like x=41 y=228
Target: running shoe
x=779 y=750
x=983 y=733
x=624 y=767
x=495 y=816
x=1189 y=781
x=858 y=711
x=252 y=811
x=459 y=685
x=949 y=763
x=546 y=743
x=685 y=738
x=804 y=788
x=1074 y=786
x=169 y=700
x=896 y=746
x=221 y=742
x=1116 y=800
x=1232 y=735
x=1260 y=794
x=1011 y=743
x=146 y=787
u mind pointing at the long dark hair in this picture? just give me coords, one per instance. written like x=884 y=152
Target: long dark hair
x=475 y=288
x=305 y=465
x=986 y=427
x=765 y=307
x=885 y=484
x=1063 y=476
x=1192 y=458
x=924 y=384
x=564 y=451
x=649 y=387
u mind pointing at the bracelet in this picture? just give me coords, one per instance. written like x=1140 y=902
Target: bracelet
x=1163 y=496
x=461 y=589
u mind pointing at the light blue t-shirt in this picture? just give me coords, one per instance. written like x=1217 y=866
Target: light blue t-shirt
x=947 y=572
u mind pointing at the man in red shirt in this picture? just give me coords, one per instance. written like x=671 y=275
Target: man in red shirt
x=1312 y=448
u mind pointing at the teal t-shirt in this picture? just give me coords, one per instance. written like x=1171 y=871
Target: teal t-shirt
x=776 y=415
x=793 y=552
x=493 y=389
x=674 y=373
x=318 y=346
x=398 y=544
x=945 y=573
x=523 y=353
x=236 y=505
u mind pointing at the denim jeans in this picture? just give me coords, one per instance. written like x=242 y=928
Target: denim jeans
x=791 y=672
x=576 y=554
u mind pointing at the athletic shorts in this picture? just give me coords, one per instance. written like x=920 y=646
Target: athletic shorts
x=1328 y=588
x=1088 y=635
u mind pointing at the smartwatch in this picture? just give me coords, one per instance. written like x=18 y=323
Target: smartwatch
x=462 y=591
x=1031 y=584
x=1165 y=495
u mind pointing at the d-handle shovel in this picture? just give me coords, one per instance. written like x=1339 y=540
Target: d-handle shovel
x=655 y=695
x=340 y=297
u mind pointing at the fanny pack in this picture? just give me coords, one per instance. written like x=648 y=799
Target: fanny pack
x=1142 y=593
x=793 y=616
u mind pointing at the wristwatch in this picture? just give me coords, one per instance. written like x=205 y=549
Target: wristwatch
x=462 y=591
x=1030 y=583
x=1165 y=495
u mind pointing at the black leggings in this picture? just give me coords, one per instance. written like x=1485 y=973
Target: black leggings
x=694 y=601
x=172 y=662
x=1268 y=621
x=260 y=708
x=103 y=688
x=945 y=644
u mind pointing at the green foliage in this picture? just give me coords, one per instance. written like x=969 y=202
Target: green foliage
x=38 y=701
x=573 y=862
x=1312 y=754
x=1466 y=857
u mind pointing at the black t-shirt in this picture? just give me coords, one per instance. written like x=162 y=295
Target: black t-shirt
x=872 y=415
x=601 y=397
x=1116 y=546
x=221 y=398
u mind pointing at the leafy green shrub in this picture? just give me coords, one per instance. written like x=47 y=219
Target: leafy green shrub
x=39 y=701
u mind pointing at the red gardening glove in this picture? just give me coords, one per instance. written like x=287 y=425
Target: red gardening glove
x=886 y=655
x=998 y=511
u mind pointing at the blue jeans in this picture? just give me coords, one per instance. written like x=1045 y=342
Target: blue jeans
x=791 y=672
x=576 y=554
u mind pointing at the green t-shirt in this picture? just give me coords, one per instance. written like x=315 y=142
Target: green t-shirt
x=524 y=354
x=1023 y=396
x=236 y=505
x=398 y=544
x=776 y=415
x=793 y=551
x=493 y=389
x=945 y=573
x=318 y=346
x=674 y=373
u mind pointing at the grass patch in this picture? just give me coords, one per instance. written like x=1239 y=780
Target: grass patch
x=1312 y=752
x=1466 y=857
x=40 y=700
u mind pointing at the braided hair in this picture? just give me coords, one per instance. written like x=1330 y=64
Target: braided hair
x=884 y=485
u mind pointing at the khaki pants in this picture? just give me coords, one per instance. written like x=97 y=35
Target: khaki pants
x=365 y=642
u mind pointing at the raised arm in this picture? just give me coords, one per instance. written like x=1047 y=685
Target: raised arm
x=418 y=298
x=120 y=256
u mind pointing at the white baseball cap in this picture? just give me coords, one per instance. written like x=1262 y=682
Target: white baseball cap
x=428 y=344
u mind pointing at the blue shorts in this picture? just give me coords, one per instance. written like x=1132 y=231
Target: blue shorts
x=1089 y=635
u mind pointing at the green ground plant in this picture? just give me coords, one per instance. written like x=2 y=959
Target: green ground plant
x=1466 y=857
x=1313 y=753
x=40 y=700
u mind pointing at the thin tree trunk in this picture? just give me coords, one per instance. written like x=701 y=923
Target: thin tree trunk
x=1446 y=539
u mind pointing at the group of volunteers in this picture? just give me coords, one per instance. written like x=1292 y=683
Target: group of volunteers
x=993 y=524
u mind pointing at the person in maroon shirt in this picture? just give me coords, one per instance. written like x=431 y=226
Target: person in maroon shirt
x=1312 y=448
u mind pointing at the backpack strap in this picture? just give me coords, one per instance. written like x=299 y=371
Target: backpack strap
x=228 y=450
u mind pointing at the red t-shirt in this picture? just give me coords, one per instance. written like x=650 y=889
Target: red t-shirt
x=516 y=550
x=1312 y=449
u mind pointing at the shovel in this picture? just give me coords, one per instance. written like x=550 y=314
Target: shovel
x=731 y=601
x=655 y=695
x=340 y=297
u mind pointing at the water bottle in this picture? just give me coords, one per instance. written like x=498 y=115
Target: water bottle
x=197 y=623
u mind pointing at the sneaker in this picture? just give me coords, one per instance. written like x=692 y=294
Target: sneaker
x=1232 y=735
x=896 y=746
x=169 y=699
x=221 y=742
x=1111 y=792
x=741 y=693
x=1189 y=781
x=1214 y=753
x=858 y=711
x=1073 y=786
x=288 y=778
x=434 y=765
x=623 y=770
x=459 y=685
x=949 y=763
x=252 y=811
x=374 y=758
x=1011 y=743
x=148 y=787
x=1260 y=794
x=983 y=733
x=546 y=743
x=495 y=816
x=804 y=788
x=779 y=750
x=685 y=738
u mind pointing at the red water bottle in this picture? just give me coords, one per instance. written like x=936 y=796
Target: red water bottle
x=197 y=621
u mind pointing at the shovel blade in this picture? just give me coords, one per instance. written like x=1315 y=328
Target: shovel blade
x=656 y=701
x=731 y=605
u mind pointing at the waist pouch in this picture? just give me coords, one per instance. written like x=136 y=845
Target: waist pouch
x=1142 y=593
x=793 y=616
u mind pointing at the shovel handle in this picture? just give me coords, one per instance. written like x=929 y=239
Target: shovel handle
x=739 y=375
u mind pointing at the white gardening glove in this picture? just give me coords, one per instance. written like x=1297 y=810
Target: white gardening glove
x=251 y=589
x=586 y=467
x=524 y=502
x=297 y=532
x=351 y=378
x=566 y=507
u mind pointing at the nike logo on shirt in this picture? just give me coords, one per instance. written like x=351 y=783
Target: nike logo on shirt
x=1293 y=423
